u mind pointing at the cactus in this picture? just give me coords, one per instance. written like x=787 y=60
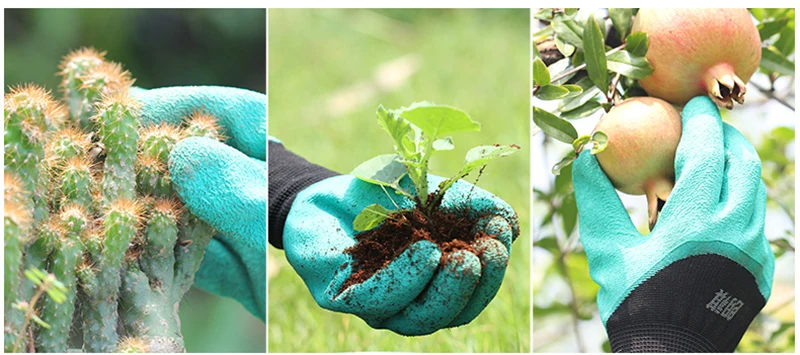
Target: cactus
x=88 y=198
x=67 y=253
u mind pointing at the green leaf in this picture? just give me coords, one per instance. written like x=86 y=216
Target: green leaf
x=785 y=42
x=593 y=45
x=552 y=92
x=541 y=76
x=545 y=14
x=579 y=142
x=370 y=217
x=398 y=129
x=565 y=48
x=638 y=43
x=571 y=11
x=589 y=93
x=444 y=144
x=554 y=126
x=584 y=110
x=600 y=140
x=568 y=212
x=480 y=155
x=566 y=161
x=574 y=90
x=621 y=19
x=625 y=63
x=438 y=120
x=386 y=170
x=773 y=61
x=569 y=31
x=771 y=28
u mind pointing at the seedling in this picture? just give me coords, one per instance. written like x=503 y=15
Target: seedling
x=418 y=131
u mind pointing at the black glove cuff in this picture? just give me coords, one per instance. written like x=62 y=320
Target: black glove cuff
x=288 y=175
x=702 y=303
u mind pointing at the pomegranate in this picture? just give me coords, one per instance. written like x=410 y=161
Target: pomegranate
x=699 y=51
x=643 y=134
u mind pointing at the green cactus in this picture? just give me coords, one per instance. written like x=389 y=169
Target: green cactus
x=120 y=225
x=66 y=257
x=76 y=182
x=117 y=120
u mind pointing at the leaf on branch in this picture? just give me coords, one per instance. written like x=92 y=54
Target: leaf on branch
x=595 y=56
x=438 y=120
x=579 y=142
x=554 y=126
x=552 y=92
x=569 y=31
x=774 y=61
x=621 y=19
x=541 y=75
x=567 y=160
x=600 y=142
x=627 y=64
x=444 y=144
x=565 y=48
x=386 y=170
x=637 y=44
x=370 y=217
x=480 y=155
x=771 y=28
x=584 y=110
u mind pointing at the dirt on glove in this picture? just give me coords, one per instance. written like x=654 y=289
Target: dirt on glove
x=378 y=247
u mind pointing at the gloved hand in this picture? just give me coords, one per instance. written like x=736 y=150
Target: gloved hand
x=412 y=295
x=223 y=184
x=703 y=273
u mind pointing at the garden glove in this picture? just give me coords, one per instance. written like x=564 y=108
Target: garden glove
x=311 y=215
x=699 y=278
x=222 y=184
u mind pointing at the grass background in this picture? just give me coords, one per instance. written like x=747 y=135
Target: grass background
x=328 y=71
x=160 y=47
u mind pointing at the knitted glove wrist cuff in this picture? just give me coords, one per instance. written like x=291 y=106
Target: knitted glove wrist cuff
x=288 y=175
x=657 y=338
x=702 y=303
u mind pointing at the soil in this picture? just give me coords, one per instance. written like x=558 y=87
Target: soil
x=378 y=247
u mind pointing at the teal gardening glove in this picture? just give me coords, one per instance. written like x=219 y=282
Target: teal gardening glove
x=223 y=184
x=412 y=295
x=703 y=273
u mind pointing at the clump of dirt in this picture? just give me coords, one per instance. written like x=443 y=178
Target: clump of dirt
x=376 y=248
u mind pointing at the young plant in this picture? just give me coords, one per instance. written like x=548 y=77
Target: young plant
x=418 y=131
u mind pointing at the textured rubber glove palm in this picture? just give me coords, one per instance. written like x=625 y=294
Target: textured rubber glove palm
x=412 y=295
x=706 y=254
x=223 y=184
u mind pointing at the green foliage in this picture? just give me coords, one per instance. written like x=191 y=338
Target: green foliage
x=418 y=131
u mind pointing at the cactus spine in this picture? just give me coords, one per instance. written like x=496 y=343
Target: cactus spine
x=77 y=180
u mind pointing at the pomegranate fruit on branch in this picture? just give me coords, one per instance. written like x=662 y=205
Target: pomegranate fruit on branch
x=696 y=52
x=643 y=135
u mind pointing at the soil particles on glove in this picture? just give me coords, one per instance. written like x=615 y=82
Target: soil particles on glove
x=376 y=248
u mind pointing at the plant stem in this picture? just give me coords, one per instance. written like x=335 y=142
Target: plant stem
x=771 y=94
x=577 y=69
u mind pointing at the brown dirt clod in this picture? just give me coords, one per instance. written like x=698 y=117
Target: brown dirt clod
x=377 y=248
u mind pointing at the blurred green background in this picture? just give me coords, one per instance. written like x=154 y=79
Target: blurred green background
x=328 y=71
x=160 y=48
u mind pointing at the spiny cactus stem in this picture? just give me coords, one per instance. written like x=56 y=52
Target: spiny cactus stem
x=66 y=257
x=193 y=238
